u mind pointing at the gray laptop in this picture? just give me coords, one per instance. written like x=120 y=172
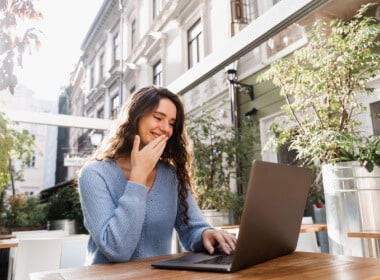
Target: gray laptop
x=270 y=224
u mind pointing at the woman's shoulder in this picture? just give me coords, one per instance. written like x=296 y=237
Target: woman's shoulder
x=98 y=165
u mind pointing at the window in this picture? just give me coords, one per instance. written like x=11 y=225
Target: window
x=92 y=77
x=101 y=66
x=32 y=162
x=115 y=106
x=132 y=89
x=100 y=113
x=242 y=13
x=133 y=34
x=239 y=11
x=195 y=44
x=286 y=41
x=157 y=7
x=116 y=47
x=157 y=74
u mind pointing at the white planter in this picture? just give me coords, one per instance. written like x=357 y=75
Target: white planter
x=218 y=218
x=352 y=197
x=68 y=226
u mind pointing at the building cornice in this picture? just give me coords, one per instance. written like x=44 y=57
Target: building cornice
x=96 y=25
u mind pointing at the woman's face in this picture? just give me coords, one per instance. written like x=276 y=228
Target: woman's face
x=158 y=122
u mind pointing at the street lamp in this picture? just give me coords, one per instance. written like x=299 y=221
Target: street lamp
x=244 y=88
x=236 y=88
x=95 y=137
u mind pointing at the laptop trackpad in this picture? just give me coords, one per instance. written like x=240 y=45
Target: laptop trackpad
x=222 y=259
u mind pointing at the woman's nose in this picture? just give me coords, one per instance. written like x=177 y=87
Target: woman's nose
x=165 y=126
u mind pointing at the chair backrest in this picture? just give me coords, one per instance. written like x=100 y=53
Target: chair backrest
x=307 y=241
x=34 y=255
x=46 y=250
x=74 y=251
x=39 y=233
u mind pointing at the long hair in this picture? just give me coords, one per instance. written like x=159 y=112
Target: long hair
x=120 y=140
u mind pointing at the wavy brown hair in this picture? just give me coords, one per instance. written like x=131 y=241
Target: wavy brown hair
x=120 y=140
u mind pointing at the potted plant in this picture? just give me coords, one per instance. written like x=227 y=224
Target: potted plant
x=64 y=210
x=22 y=212
x=215 y=148
x=322 y=84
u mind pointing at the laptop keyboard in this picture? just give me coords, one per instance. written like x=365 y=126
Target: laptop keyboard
x=223 y=259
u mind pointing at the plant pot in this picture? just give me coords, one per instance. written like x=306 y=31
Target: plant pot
x=320 y=218
x=66 y=225
x=218 y=217
x=352 y=196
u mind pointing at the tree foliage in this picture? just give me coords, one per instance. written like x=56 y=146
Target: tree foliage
x=13 y=41
x=216 y=147
x=14 y=146
x=22 y=210
x=323 y=85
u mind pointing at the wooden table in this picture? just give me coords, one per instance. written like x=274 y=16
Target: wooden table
x=7 y=236
x=371 y=240
x=313 y=227
x=304 y=228
x=365 y=234
x=297 y=265
x=8 y=243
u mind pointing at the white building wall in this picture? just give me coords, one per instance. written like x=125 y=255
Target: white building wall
x=42 y=175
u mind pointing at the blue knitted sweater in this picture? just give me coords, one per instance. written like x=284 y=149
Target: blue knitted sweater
x=127 y=222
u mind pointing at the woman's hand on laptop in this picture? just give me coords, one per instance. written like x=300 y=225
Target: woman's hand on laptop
x=212 y=237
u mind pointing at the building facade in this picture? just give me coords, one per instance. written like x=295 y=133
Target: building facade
x=40 y=174
x=189 y=46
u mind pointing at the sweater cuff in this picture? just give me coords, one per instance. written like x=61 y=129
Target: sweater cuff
x=137 y=187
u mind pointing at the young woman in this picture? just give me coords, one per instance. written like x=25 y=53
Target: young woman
x=137 y=189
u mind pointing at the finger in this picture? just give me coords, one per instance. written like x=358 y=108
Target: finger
x=226 y=242
x=136 y=145
x=208 y=240
x=157 y=141
x=226 y=248
x=232 y=242
x=208 y=246
x=159 y=148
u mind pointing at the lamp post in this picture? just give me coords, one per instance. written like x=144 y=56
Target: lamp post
x=235 y=88
x=231 y=77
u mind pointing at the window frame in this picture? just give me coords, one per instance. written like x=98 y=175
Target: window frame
x=157 y=73
x=196 y=40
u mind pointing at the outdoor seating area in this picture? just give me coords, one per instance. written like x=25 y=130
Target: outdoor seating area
x=57 y=249
x=41 y=250
x=190 y=139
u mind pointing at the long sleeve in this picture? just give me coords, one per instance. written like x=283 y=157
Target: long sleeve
x=127 y=222
x=191 y=235
x=114 y=217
